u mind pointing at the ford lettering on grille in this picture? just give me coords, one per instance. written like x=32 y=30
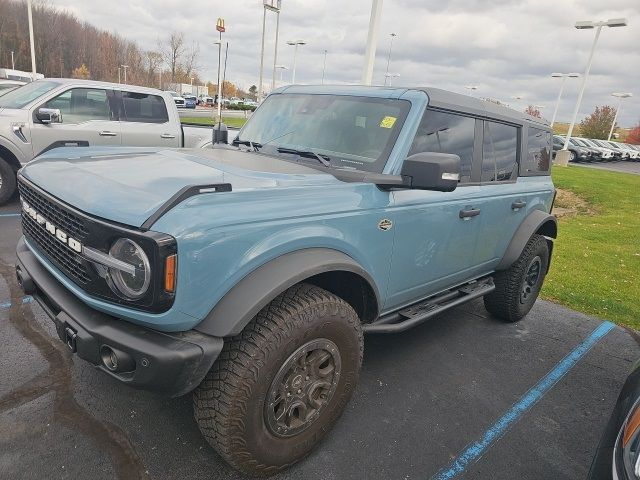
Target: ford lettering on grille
x=62 y=236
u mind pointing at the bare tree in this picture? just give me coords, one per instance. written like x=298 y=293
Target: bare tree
x=172 y=52
x=191 y=59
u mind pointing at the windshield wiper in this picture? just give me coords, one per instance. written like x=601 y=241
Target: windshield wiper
x=253 y=145
x=323 y=159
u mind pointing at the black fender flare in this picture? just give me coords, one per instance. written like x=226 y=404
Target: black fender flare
x=243 y=302
x=537 y=221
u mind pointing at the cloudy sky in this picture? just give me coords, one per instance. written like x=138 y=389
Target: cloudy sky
x=506 y=48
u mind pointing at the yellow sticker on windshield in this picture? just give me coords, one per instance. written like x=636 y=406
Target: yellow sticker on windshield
x=388 y=122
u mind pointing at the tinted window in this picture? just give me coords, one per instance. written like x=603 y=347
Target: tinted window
x=142 y=107
x=499 y=152
x=538 y=152
x=81 y=105
x=447 y=133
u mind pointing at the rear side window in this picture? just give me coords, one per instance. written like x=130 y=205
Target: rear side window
x=145 y=108
x=538 y=152
x=499 y=152
x=447 y=133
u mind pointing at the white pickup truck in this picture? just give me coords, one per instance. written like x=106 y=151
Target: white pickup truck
x=51 y=113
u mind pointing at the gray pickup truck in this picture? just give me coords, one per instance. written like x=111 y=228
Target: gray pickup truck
x=52 y=113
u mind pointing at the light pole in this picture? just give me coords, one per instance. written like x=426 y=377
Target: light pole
x=295 y=44
x=615 y=117
x=614 y=22
x=372 y=36
x=275 y=48
x=13 y=63
x=221 y=29
x=191 y=78
x=386 y=73
x=31 y=42
x=124 y=67
x=119 y=75
x=390 y=76
x=324 y=66
x=564 y=77
x=218 y=96
x=471 y=88
x=281 y=68
x=274 y=6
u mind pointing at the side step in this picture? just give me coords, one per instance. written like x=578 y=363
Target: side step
x=419 y=312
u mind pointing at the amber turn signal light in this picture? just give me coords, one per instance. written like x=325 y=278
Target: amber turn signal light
x=170 y=266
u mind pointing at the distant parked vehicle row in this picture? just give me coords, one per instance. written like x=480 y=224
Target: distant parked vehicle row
x=594 y=150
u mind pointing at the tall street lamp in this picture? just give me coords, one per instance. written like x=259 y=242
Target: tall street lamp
x=274 y=6
x=295 y=44
x=615 y=117
x=324 y=66
x=124 y=67
x=281 y=68
x=564 y=77
x=372 y=36
x=386 y=73
x=562 y=157
x=31 y=42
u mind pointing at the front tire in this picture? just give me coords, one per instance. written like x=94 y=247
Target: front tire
x=517 y=288
x=7 y=182
x=278 y=387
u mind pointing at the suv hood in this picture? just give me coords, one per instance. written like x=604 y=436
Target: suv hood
x=128 y=185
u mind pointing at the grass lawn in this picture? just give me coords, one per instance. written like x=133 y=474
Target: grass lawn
x=596 y=258
x=235 y=122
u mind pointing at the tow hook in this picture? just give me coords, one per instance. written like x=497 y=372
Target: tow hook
x=70 y=338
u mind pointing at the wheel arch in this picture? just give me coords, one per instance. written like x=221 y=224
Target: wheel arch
x=9 y=157
x=537 y=222
x=330 y=269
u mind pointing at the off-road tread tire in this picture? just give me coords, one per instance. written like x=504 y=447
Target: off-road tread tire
x=504 y=301
x=220 y=402
x=8 y=181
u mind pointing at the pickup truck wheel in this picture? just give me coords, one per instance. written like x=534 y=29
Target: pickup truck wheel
x=278 y=387
x=7 y=181
x=517 y=287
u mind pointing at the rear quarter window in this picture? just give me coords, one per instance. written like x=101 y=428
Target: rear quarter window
x=538 y=159
x=144 y=108
x=499 y=152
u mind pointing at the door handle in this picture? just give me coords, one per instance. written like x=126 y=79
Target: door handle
x=517 y=205
x=470 y=212
x=106 y=133
x=167 y=135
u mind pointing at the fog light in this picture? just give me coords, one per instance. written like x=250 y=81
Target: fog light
x=109 y=358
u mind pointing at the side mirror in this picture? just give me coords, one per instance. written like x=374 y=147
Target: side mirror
x=220 y=133
x=432 y=171
x=49 y=115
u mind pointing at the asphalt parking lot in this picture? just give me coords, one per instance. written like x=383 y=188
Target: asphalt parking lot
x=452 y=398
x=621 y=166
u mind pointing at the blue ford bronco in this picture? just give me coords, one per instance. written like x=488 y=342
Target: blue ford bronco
x=248 y=273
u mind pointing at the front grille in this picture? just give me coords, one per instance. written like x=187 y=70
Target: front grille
x=72 y=224
x=59 y=253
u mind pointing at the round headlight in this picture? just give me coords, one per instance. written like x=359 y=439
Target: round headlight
x=131 y=286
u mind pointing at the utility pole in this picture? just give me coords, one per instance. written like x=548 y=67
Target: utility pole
x=370 y=54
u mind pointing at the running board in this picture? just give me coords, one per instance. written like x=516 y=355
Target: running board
x=419 y=312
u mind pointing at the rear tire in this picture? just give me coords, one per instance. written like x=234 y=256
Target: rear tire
x=278 y=387
x=7 y=182
x=517 y=288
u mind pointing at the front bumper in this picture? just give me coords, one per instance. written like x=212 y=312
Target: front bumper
x=169 y=363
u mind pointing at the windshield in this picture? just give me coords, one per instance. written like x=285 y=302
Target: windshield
x=349 y=131
x=23 y=96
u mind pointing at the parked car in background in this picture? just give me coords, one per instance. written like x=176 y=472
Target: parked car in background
x=605 y=153
x=577 y=152
x=8 y=85
x=595 y=153
x=177 y=98
x=633 y=153
x=206 y=100
x=190 y=101
x=52 y=113
x=626 y=154
x=19 y=75
x=618 y=453
x=617 y=153
x=197 y=275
